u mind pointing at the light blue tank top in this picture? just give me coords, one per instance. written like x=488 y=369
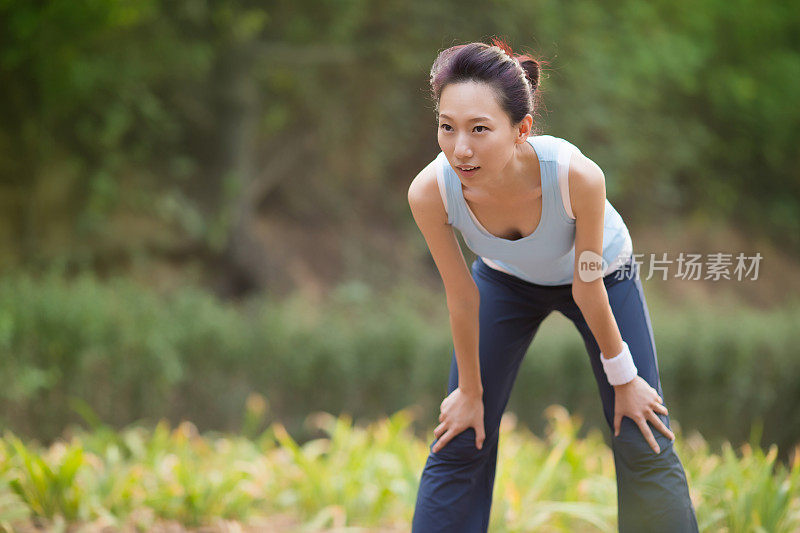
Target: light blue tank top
x=546 y=256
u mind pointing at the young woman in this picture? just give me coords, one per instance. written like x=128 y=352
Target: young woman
x=534 y=210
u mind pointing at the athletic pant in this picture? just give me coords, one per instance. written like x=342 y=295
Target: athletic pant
x=455 y=491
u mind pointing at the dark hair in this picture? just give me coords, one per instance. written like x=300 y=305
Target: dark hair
x=514 y=78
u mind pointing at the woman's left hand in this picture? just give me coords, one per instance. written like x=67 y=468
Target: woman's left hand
x=639 y=401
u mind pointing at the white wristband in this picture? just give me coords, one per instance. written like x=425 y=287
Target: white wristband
x=620 y=368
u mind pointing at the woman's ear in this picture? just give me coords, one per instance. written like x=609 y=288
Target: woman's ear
x=525 y=127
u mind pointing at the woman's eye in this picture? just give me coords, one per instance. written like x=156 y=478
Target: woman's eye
x=446 y=126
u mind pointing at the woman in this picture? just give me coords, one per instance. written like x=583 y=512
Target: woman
x=534 y=210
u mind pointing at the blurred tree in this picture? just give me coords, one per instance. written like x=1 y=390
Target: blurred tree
x=165 y=129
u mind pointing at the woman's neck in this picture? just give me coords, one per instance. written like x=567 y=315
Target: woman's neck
x=520 y=180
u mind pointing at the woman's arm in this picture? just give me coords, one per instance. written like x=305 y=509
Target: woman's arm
x=587 y=189
x=460 y=289
x=463 y=300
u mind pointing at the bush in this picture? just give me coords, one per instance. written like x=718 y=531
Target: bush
x=72 y=348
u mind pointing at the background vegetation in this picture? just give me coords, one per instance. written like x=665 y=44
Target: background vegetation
x=161 y=479
x=165 y=130
x=205 y=199
x=85 y=351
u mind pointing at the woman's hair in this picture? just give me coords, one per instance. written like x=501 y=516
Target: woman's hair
x=514 y=78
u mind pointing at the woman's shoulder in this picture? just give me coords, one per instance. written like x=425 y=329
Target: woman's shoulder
x=427 y=197
x=428 y=185
x=425 y=180
x=551 y=148
x=557 y=143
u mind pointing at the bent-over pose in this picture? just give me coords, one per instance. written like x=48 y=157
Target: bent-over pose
x=533 y=209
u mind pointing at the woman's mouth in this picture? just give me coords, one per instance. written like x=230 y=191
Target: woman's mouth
x=467 y=170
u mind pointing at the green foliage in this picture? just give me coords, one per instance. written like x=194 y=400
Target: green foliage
x=82 y=350
x=64 y=339
x=367 y=476
x=154 y=108
x=12 y=507
x=48 y=488
x=736 y=364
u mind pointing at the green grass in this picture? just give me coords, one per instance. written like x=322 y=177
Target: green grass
x=362 y=476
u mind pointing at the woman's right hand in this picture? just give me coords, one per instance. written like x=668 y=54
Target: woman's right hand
x=458 y=412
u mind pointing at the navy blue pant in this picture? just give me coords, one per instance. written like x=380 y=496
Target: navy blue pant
x=455 y=491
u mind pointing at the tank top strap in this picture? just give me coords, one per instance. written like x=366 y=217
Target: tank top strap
x=547 y=150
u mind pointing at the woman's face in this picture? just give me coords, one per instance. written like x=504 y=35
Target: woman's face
x=475 y=131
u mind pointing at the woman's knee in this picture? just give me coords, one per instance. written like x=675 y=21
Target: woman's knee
x=461 y=449
x=632 y=446
x=650 y=481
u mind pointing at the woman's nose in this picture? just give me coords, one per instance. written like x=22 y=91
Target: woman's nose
x=463 y=150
